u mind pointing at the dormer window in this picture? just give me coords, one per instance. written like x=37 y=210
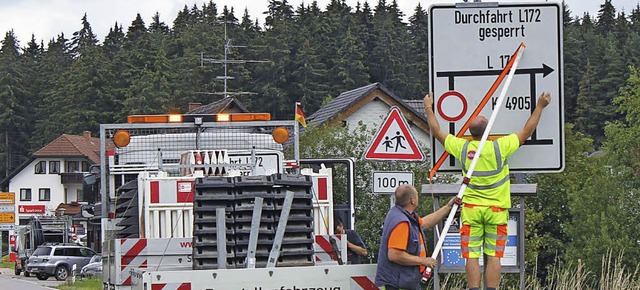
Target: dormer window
x=41 y=167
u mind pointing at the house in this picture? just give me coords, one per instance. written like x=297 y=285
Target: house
x=224 y=105
x=51 y=180
x=370 y=104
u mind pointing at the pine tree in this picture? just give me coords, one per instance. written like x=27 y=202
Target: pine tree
x=14 y=115
x=83 y=39
x=32 y=62
x=56 y=61
x=588 y=115
x=606 y=17
x=419 y=68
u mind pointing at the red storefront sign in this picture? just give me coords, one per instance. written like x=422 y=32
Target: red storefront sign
x=31 y=209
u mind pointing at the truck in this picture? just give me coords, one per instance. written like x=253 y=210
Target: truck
x=218 y=202
x=40 y=230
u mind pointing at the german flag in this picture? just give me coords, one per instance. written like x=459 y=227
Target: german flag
x=300 y=116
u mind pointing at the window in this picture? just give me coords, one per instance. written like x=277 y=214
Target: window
x=41 y=167
x=85 y=166
x=42 y=251
x=25 y=194
x=72 y=166
x=45 y=194
x=72 y=252
x=87 y=253
x=54 y=167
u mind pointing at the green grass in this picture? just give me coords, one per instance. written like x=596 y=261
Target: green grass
x=88 y=284
x=612 y=275
x=6 y=264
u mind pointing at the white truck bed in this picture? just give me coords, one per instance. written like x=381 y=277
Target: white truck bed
x=345 y=277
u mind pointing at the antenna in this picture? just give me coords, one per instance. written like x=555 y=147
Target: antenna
x=225 y=62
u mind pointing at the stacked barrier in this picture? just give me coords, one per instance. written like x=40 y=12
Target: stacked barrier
x=126 y=211
x=237 y=196
x=212 y=193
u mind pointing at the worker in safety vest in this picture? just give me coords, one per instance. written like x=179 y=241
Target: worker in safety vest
x=487 y=198
x=402 y=256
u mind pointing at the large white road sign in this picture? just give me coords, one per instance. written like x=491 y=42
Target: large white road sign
x=470 y=44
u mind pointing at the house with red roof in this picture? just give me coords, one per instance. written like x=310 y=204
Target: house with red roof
x=51 y=181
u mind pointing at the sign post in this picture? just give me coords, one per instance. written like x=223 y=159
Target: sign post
x=386 y=182
x=470 y=44
x=7 y=213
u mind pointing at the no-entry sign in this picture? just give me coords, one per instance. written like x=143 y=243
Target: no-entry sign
x=470 y=44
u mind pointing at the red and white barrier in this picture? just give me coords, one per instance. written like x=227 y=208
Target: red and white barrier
x=322 y=200
x=167 y=205
x=362 y=283
x=171 y=286
x=151 y=254
x=325 y=254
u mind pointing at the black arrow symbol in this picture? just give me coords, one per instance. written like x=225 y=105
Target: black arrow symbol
x=545 y=70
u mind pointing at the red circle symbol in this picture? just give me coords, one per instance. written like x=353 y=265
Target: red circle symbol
x=464 y=106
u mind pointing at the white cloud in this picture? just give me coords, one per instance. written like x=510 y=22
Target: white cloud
x=48 y=18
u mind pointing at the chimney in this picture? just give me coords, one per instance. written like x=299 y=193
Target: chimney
x=86 y=135
x=193 y=106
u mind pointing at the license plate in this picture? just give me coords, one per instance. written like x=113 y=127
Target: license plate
x=266 y=163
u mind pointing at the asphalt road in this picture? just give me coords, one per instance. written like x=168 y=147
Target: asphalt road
x=10 y=281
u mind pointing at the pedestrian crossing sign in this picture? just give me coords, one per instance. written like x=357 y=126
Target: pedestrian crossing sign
x=394 y=140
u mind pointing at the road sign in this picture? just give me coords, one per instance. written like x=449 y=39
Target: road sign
x=388 y=181
x=7 y=207
x=470 y=44
x=452 y=253
x=8 y=227
x=394 y=140
x=7 y=217
x=7 y=198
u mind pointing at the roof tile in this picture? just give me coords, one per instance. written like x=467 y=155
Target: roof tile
x=72 y=146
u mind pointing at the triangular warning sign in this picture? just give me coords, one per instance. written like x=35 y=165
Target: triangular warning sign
x=394 y=140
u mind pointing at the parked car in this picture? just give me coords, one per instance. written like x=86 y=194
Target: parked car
x=57 y=260
x=93 y=269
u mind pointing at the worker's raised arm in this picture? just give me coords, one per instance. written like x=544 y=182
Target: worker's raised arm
x=532 y=122
x=431 y=118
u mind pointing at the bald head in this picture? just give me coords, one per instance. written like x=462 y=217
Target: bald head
x=404 y=193
x=477 y=126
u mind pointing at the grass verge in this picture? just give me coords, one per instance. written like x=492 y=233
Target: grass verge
x=87 y=284
x=6 y=264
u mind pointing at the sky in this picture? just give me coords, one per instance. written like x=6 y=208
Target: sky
x=46 y=19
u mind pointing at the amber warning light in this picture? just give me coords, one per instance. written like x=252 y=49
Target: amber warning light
x=237 y=117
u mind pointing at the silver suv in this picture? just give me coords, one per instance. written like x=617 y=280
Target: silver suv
x=57 y=260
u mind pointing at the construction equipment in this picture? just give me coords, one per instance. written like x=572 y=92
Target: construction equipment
x=187 y=196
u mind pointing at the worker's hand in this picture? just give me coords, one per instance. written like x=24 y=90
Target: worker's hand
x=544 y=99
x=428 y=100
x=455 y=200
x=429 y=262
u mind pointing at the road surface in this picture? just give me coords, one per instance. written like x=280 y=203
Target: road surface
x=10 y=281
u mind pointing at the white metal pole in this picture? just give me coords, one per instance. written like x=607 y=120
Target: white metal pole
x=476 y=157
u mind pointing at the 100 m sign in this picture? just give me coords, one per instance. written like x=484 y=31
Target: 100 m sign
x=387 y=182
